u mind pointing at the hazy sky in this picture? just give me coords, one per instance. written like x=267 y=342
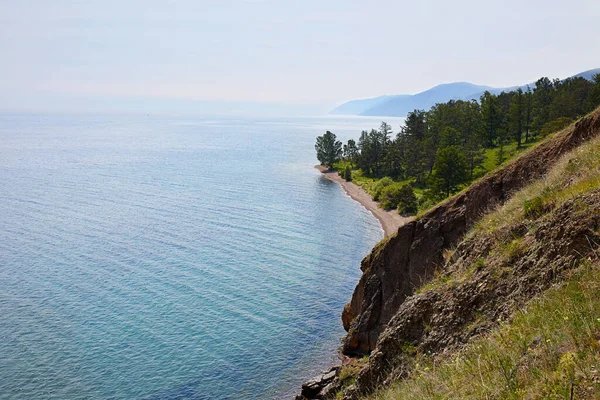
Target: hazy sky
x=309 y=54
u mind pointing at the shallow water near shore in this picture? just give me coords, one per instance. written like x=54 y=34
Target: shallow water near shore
x=172 y=258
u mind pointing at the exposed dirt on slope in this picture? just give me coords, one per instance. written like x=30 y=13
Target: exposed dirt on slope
x=442 y=318
x=403 y=262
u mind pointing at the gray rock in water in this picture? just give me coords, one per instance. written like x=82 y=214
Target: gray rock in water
x=315 y=388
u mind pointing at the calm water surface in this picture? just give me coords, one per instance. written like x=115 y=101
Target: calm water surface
x=171 y=258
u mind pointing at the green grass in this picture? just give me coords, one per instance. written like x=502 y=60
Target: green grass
x=347 y=373
x=490 y=156
x=489 y=164
x=577 y=172
x=547 y=350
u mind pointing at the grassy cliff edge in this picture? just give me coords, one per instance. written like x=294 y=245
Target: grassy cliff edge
x=509 y=310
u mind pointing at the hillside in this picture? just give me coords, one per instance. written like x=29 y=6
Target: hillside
x=468 y=268
x=400 y=105
x=356 y=107
x=589 y=75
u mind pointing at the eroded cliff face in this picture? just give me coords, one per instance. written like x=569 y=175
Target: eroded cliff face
x=399 y=265
x=444 y=318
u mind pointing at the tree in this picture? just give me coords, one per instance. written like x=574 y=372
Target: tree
x=450 y=137
x=543 y=94
x=351 y=152
x=329 y=150
x=515 y=116
x=527 y=104
x=593 y=98
x=414 y=125
x=407 y=201
x=373 y=146
x=395 y=158
x=367 y=148
x=412 y=140
x=491 y=118
x=390 y=195
x=500 y=154
x=399 y=196
x=385 y=130
x=449 y=171
x=348 y=173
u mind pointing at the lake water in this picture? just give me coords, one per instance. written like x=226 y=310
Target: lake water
x=171 y=258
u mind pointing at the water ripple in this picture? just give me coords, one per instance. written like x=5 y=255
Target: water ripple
x=155 y=259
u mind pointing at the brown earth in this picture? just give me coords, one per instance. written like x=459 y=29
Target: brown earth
x=444 y=318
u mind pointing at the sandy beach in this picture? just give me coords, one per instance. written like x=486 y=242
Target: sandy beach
x=390 y=220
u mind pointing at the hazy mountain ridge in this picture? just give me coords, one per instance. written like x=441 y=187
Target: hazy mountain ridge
x=400 y=105
x=356 y=107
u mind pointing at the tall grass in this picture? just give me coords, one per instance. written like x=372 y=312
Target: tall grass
x=550 y=350
x=577 y=172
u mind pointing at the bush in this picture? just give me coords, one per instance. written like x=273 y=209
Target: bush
x=407 y=202
x=399 y=196
x=533 y=208
x=556 y=125
x=380 y=185
x=347 y=174
x=426 y=202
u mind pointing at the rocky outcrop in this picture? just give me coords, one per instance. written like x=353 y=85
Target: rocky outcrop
x=401 y=263
x=443 y=318
x=323 y=386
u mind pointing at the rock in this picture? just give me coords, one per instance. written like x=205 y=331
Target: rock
x=315 y=388
x=445 y=319
x=330 y=391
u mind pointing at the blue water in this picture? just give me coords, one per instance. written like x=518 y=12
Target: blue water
x=171 y=258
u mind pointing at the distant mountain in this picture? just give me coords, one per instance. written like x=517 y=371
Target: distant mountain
x=424 y=100
x=356 y=107
x=400 y=105
x=589 y=75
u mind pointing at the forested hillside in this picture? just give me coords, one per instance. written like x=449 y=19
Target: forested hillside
x=439 y=151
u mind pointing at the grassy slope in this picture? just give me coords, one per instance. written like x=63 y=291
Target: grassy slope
x=489 y=164
x=548 y=349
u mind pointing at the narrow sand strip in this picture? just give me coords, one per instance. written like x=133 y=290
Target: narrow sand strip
x=390 y=220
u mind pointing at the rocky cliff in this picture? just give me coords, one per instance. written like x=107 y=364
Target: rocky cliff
x=396 y=267
x=494 y=282
x=485 y=273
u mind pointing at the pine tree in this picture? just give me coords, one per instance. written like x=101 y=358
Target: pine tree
x=449 y=171
x=491 y=118
x=515 y=116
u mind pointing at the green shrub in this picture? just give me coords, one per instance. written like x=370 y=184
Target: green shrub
x=426 y=202
x=407 y=202
x=556 y=125
x=347 y=174
x=379 y=186
x=398 y=196
x=533 y=208
x=480 y=264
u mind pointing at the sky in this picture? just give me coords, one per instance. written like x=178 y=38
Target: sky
x=281 y=56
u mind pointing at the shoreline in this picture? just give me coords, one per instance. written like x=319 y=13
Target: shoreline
x=390 y=221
